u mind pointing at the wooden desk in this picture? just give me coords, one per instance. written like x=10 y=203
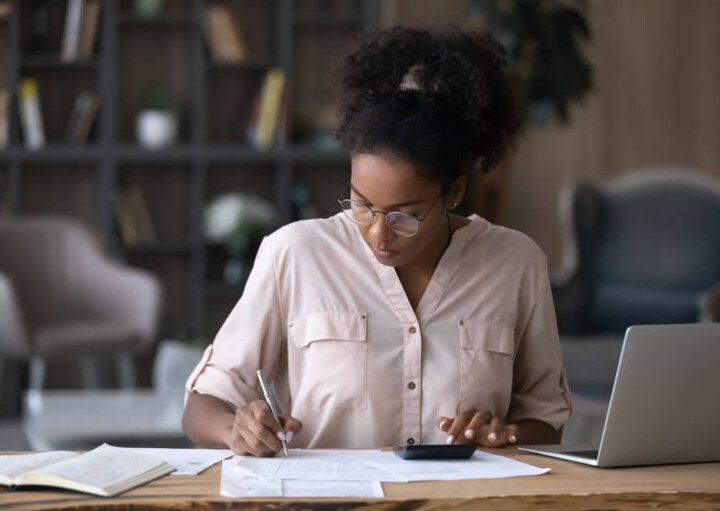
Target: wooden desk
x=568 y=486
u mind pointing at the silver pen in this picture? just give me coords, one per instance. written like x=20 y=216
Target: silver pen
x=270 y=400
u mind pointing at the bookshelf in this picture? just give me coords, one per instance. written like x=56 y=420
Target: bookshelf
x=133 y=53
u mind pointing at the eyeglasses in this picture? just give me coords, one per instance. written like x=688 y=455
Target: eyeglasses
x=402 y=224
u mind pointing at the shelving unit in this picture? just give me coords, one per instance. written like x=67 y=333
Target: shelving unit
x=306 y=38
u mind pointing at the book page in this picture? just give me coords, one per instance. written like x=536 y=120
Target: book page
x=103 y=467
x=16 y=464
x=186 y=461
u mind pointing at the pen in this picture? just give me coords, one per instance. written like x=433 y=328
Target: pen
x=270 y=399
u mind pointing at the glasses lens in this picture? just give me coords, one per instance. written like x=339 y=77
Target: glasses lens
x=357 y=212
x=402 y=224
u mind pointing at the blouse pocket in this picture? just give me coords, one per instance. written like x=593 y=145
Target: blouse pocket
x=332 y=361
x=486 y=366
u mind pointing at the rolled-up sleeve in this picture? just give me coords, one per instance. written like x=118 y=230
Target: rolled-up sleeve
x=540 y=390
x=251 y=338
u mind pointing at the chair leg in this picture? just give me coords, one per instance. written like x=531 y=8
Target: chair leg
x=89 y=373
x=37 y=373
x=127 y=371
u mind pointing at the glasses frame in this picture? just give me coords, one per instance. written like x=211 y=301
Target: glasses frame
x=374 y=212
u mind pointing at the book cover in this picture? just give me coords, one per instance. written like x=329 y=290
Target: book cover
x=71 y=34
x=125 y=221
x=252 y=123
x=5 y=8
x=82 y=117
x=88 y=29
x=281 y=130
x=31 y=114
x=4 y=113
x=140 y=213
x=224 y=36
x=270 y=104
x=105 y=471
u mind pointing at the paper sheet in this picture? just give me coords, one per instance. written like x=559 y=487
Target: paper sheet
x=352 y=473
x=237 y=481
x=187 y=461
x=343 y=489
x=482 y=465
x=318 y=465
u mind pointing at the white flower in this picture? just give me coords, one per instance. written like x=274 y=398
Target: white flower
x=225 y=212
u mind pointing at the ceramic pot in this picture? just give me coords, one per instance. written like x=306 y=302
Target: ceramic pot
x=156 y=129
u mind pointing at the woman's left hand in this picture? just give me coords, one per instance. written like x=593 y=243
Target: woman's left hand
x=478 y=427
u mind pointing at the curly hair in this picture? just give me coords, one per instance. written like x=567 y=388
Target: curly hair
x=440 y=101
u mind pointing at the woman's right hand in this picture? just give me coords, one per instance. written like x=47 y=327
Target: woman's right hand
x=256 y=432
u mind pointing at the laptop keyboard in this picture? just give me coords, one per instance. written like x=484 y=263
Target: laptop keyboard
x=593 y=454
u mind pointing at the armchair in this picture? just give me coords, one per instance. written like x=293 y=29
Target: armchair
x=61 y=298
x=644 y=249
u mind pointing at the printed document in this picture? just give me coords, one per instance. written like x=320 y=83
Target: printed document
x=481 y=465
x=352 y=473
x=319 y=465
x=237 y=481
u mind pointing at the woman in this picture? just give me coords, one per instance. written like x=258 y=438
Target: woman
x=395 y=321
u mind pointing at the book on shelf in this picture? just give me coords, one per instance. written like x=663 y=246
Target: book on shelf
x=31 y=113
x=82 y=117
x=71 y=32
x=224 y=36
x=88 y=29
x=105 y=471
x=5 y=205
x=133 y=216
x=4 y=114
x=262 y=129
x=5 y=8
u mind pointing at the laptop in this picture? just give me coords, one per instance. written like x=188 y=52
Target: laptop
x=664 y=407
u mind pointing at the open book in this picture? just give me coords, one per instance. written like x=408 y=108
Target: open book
x=104 y=471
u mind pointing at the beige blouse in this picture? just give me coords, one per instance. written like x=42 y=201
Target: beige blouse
x=351 y=359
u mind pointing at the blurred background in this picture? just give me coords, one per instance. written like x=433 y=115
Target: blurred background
x=146 y=146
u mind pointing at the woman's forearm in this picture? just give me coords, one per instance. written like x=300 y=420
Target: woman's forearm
x=533 y=431
x=207 y=420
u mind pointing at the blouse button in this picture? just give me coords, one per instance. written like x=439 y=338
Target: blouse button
x=411 y=385
x=412 y=330
x=410 y=441
x=462 y=322
x=362 y=316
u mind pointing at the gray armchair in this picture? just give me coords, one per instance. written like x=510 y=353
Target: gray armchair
x=61 y=298
x=644 y=249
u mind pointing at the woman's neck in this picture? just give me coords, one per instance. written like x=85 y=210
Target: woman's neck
x=426 y=263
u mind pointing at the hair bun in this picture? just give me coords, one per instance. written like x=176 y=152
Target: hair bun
x=446 y=85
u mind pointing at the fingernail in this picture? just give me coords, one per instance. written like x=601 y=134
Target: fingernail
x=280 y=435
x=289 y=436
x=450 y=440
x=512 y=439
x=469 y=433
x=443 y=424
x=492 y=436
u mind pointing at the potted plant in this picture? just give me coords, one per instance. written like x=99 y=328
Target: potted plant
x=544 y=40
x=156 y=124
x=547 y=70
x=147 y=8
x=238 y=222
